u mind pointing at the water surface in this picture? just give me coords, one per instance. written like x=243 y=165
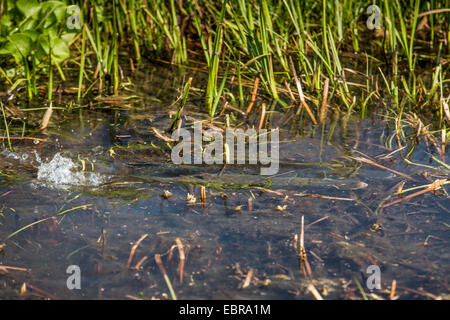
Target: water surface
x=110 y=170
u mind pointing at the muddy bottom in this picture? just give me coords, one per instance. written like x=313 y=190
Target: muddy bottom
x=103 y=180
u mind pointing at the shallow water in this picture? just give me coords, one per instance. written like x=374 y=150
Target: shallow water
x=113 y=169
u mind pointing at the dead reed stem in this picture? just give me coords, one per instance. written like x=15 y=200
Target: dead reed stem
x=47 y=116
x=248 y=279
x=139 y=264
x=311 y=288
x=300 y=93
x=434 y=186
x=323 y=109
x=263 y=115
x=393 y=288
x=166 y=277
x=253 y=99
x=182 y=257
x=133 y=249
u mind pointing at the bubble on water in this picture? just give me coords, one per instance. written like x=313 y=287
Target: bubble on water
x=62 y=171
x=8 y=154
x=22 y=157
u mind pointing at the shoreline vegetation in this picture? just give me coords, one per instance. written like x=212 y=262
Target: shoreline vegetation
x=318 y=65
x=309 y=59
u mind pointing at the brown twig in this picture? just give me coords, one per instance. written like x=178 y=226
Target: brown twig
x=304 y=264
x=24 y=138
x=270 y=191
x=248 y=279
x=6 y=193
x=133 y=249
x=323 y=109
x=6 y=268
x=311 y=288
x=203 y=189
x=300 y=93
x=182 y=257
x=393 y=287
x=263 y=115
x=420 y=292
x=164 y=273
x=433 y=12
x=434 y=186
x=362 y=159
x=289 y=91
x=320 y=196
x=139 y=264
x=253 y=99
x=44 y=293
x=317 y=221
x=337 y=236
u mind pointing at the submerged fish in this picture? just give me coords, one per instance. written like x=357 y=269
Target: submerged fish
x=245 y=181
x=84 y=172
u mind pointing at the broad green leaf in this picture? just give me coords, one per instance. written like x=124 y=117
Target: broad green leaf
x=6 y=20
x=68 y=37
x=19 y=45
x=4 y=51
x=29 y=24
x=44 y=43
x=32 y=34
x=11 y=4
x=60 y=11
x=60 y=50
x=28 y=7
x=54 y=12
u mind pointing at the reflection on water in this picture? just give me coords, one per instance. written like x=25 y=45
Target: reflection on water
x=103 y=177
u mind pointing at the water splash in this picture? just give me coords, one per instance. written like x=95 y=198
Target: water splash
x=63 y=172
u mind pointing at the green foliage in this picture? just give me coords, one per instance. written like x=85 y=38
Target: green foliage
x=34 y=34
x=234 y=39
x=30 y=29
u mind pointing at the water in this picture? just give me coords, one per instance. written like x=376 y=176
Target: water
x=114 y=170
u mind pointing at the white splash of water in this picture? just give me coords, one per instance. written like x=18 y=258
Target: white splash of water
x=62 y=171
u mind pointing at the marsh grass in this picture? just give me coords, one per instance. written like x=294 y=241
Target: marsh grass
x=237 y=41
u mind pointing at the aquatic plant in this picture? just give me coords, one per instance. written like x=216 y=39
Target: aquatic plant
x=251 y=42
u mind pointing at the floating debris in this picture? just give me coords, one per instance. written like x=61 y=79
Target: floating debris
x=191 y=199
x=167 y=194
x=376 y=227
x=23 y=289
